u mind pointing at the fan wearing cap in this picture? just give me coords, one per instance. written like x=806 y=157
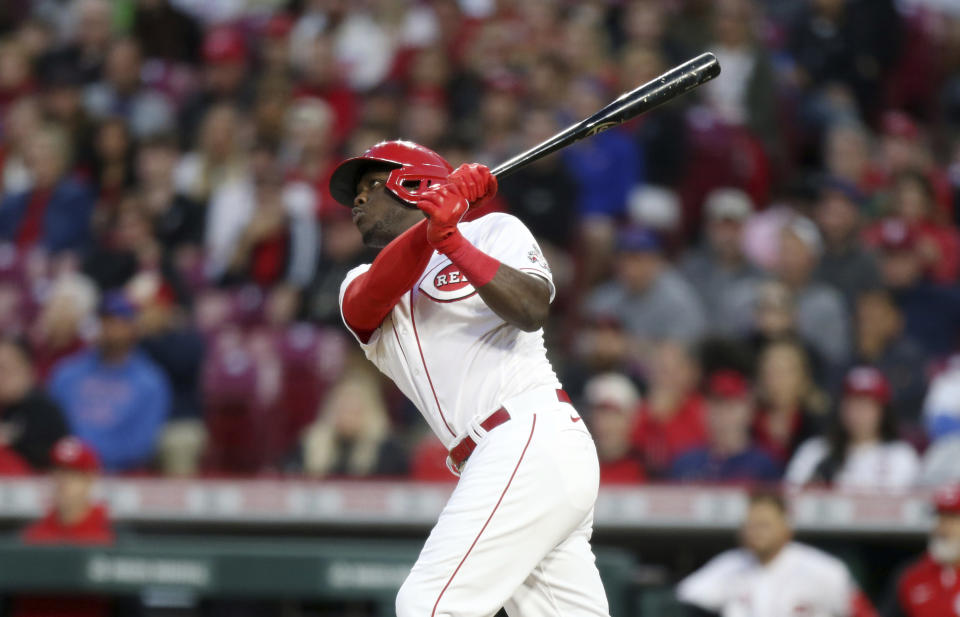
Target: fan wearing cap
x=931 y=312
x=649 y=297
x=612 y=402
x=863 y=450
x=730 y=454
x=720 y=265
x=452 y=312
x=74 y=516
x=930 y=587
x=114 y=397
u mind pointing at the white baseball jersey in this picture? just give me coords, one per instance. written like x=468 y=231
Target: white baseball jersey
x=891 y=466
x=801 y=581
x=446 y=350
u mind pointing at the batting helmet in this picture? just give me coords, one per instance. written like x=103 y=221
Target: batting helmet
x=412 y=167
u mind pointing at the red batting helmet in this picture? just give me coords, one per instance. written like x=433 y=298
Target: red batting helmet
x=412 y=166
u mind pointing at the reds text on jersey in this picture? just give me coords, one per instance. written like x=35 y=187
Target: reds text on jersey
x=446 y=350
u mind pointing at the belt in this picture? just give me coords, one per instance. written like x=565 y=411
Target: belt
x=462 y=451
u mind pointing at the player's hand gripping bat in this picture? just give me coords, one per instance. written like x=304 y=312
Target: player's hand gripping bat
x=668 y=86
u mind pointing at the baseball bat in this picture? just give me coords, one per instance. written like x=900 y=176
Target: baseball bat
x=673 y=83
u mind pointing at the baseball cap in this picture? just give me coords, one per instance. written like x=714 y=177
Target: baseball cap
x=727 y=383
x=638 y=240
x=867 y=381
x=947 y=500
x=728 y=204
x=656 y=207
x=833 y=184
x=611 y=390
x=224 y=46
x=896 y=235
x=278 y=26
x=73 y=454
x=117 y=304
x=899 y=124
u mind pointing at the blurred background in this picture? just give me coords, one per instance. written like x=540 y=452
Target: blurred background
x=758 y=284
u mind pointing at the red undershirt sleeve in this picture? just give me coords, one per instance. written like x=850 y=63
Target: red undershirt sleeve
x=370 y=297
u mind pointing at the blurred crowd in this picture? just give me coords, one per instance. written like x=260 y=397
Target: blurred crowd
x=758 y=281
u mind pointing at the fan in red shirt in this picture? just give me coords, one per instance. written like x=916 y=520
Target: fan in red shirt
x=671 y=419
x=931 y=586
x=73 y=518
x=612 y=402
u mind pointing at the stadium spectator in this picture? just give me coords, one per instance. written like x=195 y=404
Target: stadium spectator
x=864 y=450
x=719 y=268
x=267 y=228
x=834 y=47
x=747 y=96
x=881 y=342
x=930 y=586
x=648 y=296
x=310 y=142
x=168 y=337
x=114 y=397
x=112 y=170
x=89 y=34
x=122 y=93
x=791 y=408
x=21 y=123
x=845 y=265
x=218 y=156
x=913 y=201
x=605 y=167
x=771 y=574
x=541 y=194
x=351 y=434
x=73 y=518
x=179 y=222
x=65 y=323
x=671 y=417
x=931 y=312
x=165 y=32
x=941 y=408
x=224 y=80
x=822 y=317
x=30 y=421
x=729 y=454
x=54 y=213
x=611 y=402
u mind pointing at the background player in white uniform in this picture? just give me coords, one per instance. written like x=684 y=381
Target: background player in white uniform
x=772 y=576
x=452 y=312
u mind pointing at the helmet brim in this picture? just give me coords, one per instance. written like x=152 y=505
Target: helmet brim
x=343 y=181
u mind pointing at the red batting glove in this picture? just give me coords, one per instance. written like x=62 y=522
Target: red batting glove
x=444 y=207
x=475 y=182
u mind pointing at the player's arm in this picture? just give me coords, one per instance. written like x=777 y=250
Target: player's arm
x=520 y=299
x=370 y=297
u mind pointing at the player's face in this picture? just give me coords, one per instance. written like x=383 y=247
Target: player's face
x=765 y=531
x=379 y=216
x=945 y=541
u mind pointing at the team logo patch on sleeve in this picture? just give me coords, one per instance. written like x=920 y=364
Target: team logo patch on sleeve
x=445 y=283
x=536 y=257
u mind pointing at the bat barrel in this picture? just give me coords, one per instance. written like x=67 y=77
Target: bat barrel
x=673 y=83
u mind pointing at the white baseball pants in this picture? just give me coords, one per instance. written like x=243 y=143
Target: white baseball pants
x=516 y=531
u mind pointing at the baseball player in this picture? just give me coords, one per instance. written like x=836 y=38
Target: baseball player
x=772 y=576
x=930 y=587
x=452 y=312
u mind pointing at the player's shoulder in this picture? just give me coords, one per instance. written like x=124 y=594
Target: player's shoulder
x=352 y=274
x=728 y=562
x=815 y=560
